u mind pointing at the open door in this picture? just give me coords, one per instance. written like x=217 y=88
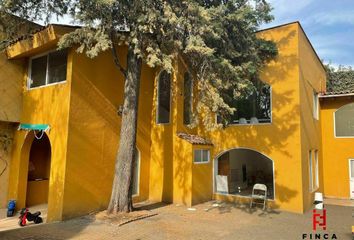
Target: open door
x=351 y=177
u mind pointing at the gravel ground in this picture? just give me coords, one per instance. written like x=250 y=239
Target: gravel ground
x=226 y=221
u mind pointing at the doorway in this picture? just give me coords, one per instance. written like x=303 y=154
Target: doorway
x=38 y=171
x=237 y=170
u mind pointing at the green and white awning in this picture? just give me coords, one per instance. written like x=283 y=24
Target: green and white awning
x=35 y=127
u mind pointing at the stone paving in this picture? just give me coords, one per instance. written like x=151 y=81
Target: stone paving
x=206 y=221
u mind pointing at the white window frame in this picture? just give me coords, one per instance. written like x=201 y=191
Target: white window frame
x=29 y=78
x=317 y=183
x=202 y=150
x=138 y=177
x=334 y=123
x=310 y=171
x=313 y=170
x=158 y=98
x=316 y=103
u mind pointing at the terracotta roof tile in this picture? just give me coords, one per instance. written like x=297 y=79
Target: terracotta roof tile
x=338 y=93
x=194 y=139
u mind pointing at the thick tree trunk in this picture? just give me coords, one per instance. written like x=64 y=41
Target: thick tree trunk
x=121 y=198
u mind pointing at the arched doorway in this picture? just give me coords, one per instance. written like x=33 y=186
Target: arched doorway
x=237 y=170
x=38 y=171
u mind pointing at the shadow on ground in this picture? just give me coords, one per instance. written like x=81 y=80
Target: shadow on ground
x=224 y=207
x=49 y=231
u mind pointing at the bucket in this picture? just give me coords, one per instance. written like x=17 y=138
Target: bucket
x=318 y=200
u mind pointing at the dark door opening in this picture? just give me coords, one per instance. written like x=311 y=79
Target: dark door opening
x=38 y=171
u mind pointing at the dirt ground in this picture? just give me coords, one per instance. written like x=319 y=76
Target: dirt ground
x=204 y=221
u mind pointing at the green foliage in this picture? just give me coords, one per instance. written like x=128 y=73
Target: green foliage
x=341 y=79
x=216 y=38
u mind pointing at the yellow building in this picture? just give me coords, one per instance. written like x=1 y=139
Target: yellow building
x=11 y=89
x=337 y=120
x=70 y=166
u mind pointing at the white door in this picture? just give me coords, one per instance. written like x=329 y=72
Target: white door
x=351 y=177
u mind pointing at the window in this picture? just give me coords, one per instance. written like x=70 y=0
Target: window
x=344 y=121
x=48 y=69
x=163 y=98
x=136 y=173
x=310 y=171
x=187 y=99
x=315 y=106
x=316 y=170
x=201 y=156
x=313 y=170
x=251 y=108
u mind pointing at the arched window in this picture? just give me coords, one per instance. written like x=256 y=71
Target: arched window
x=344 y=121
x=163 y=98
x=187 y=99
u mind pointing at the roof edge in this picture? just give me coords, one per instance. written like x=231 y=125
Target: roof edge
x=302 y=29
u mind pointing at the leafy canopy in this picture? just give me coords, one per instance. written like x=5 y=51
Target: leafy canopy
x=216 y=39
x=341 y=79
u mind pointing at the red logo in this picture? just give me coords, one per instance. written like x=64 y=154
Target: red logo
x=319 y=219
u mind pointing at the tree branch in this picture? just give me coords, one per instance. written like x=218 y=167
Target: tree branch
x=115 y=57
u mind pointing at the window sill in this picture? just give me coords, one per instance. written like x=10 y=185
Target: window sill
x=44 y=86
x=201 y=162
x=249 y=124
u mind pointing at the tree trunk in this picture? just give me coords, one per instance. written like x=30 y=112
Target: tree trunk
x=121 y=198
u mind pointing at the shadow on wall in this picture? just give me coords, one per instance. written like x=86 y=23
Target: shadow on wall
x=281 y=75
x=183 y=170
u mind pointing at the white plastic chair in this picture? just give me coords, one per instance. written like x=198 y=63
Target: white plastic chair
x=259 y=192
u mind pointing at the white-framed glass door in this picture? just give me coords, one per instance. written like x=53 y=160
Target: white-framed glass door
x=351 y=177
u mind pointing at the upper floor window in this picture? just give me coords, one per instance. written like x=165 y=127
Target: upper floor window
x=187 y=99
x=48 y=69
x=344 y=121
x=315 y=106
x=163 y=98
x=251 y=108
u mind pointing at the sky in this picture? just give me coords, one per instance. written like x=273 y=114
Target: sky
x=329 y=24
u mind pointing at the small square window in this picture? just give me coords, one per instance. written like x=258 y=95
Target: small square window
x=201 y=156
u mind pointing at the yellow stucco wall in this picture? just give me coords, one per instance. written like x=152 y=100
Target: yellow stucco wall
x=280 y=140
x=43 y=105
x=11 y=79
x=336 y=151
x=312 y=79
x=6 y=135
x=94 y=126
x=82 y=113
x=47 y=105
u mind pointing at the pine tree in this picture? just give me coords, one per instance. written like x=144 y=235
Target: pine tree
x=215 y=38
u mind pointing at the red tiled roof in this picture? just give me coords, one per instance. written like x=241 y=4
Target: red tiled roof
x=194 y=139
